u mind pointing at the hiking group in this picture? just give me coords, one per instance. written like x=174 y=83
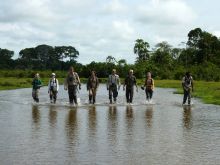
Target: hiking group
x=72 y=84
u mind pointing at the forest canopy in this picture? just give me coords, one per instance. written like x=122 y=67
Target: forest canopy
x=200 y=55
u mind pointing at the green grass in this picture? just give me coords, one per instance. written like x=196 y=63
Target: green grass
x=8 y=83
x=15 y=83
x=209 y=92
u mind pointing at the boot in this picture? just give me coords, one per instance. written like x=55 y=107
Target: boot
x=93 y=100
x=75 y=99
x=90 y=99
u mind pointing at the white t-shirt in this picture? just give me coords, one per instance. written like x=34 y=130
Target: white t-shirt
x=53 y=83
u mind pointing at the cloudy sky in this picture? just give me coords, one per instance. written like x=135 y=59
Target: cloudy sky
x=99 y=28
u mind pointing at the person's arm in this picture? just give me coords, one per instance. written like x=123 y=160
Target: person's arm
x=87 y=84
x=135 y=83
x=33 y=84
x=39 y=84
x=125 y=83
x=65 y=83
x=97 y=82
x=145 y=84
x=78 y=81
x=58 y=86
x=119 y=83
x=108 y=82
x=183 y=80
x=152 y=84
x=49 y=86
x=192 y=85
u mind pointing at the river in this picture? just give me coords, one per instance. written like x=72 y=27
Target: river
x=165 y=133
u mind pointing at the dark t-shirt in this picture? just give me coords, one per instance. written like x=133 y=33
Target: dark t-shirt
x=130 y=81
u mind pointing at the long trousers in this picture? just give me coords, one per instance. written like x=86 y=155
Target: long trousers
x=35 y=95
x=149 y=93
x=53 y=95
x=113 y=92
x=129 y=94
x=72 y=91
x=92 y=95
x=187 y=94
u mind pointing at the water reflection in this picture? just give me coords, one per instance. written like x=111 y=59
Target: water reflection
x=36 y=115
x=129 y=112
x=112 y=126
x=149 y=115
x=92 y=120
x=52 y=116
x=112 y=112
x=91 y=128
x=71 y=126
x=129 y=118
x=187 y=116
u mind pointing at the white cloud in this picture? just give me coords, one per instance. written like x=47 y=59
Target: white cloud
x=166 y=12
x=114 y=6
x=97 y=28
x=123 y=29
x=216 y=33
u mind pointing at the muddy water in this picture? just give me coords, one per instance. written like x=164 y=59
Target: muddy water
x=164 y=133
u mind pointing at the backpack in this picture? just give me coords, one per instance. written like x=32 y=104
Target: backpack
x=52 y=87
x=149 y=86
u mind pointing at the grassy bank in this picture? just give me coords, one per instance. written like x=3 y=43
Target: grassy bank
x=209 y=92
x=8 y=83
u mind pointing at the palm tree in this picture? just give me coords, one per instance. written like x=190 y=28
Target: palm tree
x=141 y=49
x=111 y=59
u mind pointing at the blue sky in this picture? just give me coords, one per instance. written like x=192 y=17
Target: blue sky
x=99 y=28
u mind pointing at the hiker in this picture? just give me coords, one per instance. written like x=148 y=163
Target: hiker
x=36 y=83
x=71 y=82
x=149 y=84
x=130 y=82
x=113 y=85
x=92 y=85
x=187 y=84
x=53 y=87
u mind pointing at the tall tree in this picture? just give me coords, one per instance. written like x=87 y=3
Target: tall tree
x=141 y=50
x=5 y=58
x=162 y=56
x=111 y=59
x=206 y=46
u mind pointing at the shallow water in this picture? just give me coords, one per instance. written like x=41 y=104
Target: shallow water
x=164 y=133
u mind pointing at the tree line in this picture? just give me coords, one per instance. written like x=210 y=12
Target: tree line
x=200 y=55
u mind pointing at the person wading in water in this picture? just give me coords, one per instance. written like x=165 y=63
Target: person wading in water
x=92 y=85
x=113 y=85
x=187 y=84
x=53 y=87
x=36 y=83
x=130 y=82
x=70 y=84
x=149 y=84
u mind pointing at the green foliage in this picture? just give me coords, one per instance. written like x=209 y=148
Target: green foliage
x=141 y=49
x=44 y=57
x=200 y=56
x=5 y=58
x=209 y=92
